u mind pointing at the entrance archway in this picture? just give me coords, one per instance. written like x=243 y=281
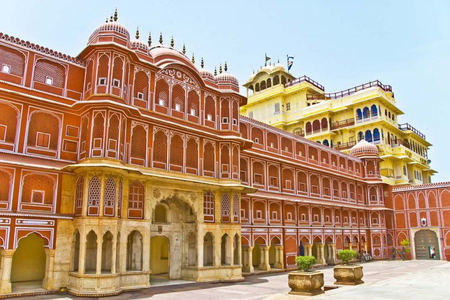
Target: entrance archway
x=424 y=240
x=28 y=263
x=159 y=256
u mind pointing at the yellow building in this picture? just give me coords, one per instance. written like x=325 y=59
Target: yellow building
x=340 y=120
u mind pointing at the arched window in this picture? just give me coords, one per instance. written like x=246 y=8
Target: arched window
x=107 y=252
x=225 y=208
x=14 y=60
x=263 y=85
x=316 y=126
x=162 y=93
x=324 y=124
x=43 y=131
x=368 y=136
x=178 y=98
x=208 y=207
x=210 y=112
x=49 y=73
x=79 y=196
x=192 y=156
x=325 y=142
x=376 y=135
x=208 y=160
x=136 y=201
x=160 y=151
x=176 y=151
x=113 y=136
x=366 y=113
x=160 y=213
x=236 y=208
x=134 y=251
x=358 y=114
x=138 y=144
x=360 y=135
x=93 y=197
x=140 y=90
x=269 y=83
x=276 y=80
x=193 y=104
x=257 y=87
x=308 y=128
x=374 y=110
x=109 y=197
x=117 y=73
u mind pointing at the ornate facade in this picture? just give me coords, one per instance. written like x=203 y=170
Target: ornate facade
x=368 y=111
x=129 y=161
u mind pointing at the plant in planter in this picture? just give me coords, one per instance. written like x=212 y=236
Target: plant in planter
x=406 y=245
x=348 y=274
x=305 y=282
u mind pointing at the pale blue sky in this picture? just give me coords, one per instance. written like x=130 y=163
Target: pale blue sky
x=340 y=44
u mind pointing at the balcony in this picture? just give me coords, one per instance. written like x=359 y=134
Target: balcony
x=343 y=123
x=350 y=91
x=367 y=119
x=406 y=126
x=305 y=79
x=344 y=146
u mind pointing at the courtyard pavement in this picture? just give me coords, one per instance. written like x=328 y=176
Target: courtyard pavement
x=415 y=279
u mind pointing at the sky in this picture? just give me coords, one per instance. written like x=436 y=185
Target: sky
x=339 y=44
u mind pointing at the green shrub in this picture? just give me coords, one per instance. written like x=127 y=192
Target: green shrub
x=304 y=263
x=346 y=255
x=405 y=243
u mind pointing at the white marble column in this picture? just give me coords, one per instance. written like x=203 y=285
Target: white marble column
x=6 y=265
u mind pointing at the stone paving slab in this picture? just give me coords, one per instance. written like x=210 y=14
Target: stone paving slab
x=416 y=279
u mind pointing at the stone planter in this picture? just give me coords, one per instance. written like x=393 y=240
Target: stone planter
x=348 y=274
x=306 y=283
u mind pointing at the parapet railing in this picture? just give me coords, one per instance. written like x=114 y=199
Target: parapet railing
x=350 y=91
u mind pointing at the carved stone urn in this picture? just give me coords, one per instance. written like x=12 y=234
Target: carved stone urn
x=348 y=274
x=306 y=283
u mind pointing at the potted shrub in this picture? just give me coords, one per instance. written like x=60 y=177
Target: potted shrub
x=406 y=245
x=348 y=274
x=304 y=281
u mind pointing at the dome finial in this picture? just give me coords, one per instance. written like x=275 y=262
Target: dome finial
x=160 y=38
x=226 y=67
x=184 y=49
x=215 y=71
x=278 y=60
x=106 y=20
x=115 y=15
x=172 y=43
x=220 y=69
x=202 y=64
x=149 y=39
x=193 y=58
x=137 y=33
x=111 y=18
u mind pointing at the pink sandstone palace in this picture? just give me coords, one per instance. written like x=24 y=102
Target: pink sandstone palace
x=129 y=161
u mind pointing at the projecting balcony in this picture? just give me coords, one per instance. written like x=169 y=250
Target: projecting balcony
x=344 y=146
x=342 y=124
x=367 y=119
x=407 y=126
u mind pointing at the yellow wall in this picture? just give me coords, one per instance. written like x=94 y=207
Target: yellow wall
x=159 y=255
x=29 y=260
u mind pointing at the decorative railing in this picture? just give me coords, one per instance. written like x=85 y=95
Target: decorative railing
x=344 y=146
x=406 y=126
x=304 y=79
x=348 y=92
x=343 y=123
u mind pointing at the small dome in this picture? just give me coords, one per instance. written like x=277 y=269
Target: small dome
x=278 y=67
x=363 y=148
x=111 y=27
x=226 y=77
x=205 y=74
x=137 y=44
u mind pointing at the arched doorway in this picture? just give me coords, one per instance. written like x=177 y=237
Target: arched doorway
x=424 y=240
x=159 y=256
x=28 y=265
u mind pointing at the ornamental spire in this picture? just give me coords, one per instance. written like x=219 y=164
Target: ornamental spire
x=202 y=64
x=137 y=33
x=115 y=15
x=111 y=18
x=215 y=71
x=184 y=49
x=149 y=39
x=106 y=20
x=193 y=58
x=226 y=67
x=220 y=69
x=172 y=43
x=160 y=38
